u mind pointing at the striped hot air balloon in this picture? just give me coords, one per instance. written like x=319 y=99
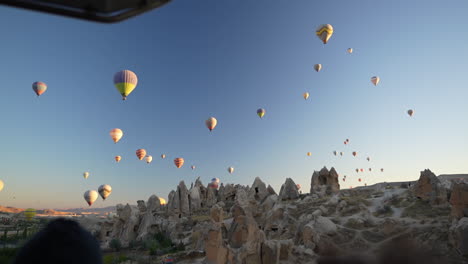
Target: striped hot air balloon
x=104 y=190
x=125 y=81
x=324 y=32
x=141 y=153
x=179 y=162
x=29 y=213
x=116 y=134
x=39 y=88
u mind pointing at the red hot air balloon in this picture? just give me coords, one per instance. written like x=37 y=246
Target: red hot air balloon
x=362 y=170
x=354 y=153
x=359 y=179
x=141 y=153
x=179 y=162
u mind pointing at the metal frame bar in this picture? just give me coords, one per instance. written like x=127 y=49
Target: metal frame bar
x=84 y=14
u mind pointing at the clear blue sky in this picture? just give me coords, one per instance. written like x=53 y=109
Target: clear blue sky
x=196 y=59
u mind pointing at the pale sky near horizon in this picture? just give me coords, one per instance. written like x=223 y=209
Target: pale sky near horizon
x=196 y=59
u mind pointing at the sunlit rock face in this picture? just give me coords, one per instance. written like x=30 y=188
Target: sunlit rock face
x=429 y=188
x=324 y=182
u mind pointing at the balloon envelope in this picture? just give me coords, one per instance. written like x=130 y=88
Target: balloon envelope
x=141 y=153
x=118 y=158
x=317 y=67
x=116 y=134
x=411 y=112
x=261 y=112
x=90 y=196
x=105 y=190
x=39 y=88
x=375 y=80
x=324 y=32
x=125 y=81
x=354 y=153
x=193 y=167
x=305 y=95
x=86 y=175
x=163 y=156
x=179 y=162
x=309 y=154
x=148 y=159
x=231 y=170
x=211 y=123
x=350 y=50
x=1 y=185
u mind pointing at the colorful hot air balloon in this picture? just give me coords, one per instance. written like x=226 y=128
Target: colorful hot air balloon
x=193 y=167
x=118 y=158
x=39 y=88
x=90 y=196
x=141 y=153
x=354 y=153
x=105 y=190
x=211 y=123
x=375 y=80
x=305 y=95
x=29 y=213
x=116 y=134
x=261 y=112
x=179 y=162
x=334 y=152
x=411 y=112
x=230 y=170
x=324 y=32
x=350 y=50
x=86 y=175
x=125 y=81
x=1 y=185
x=309 y=154
x=148 y=159
x=163 y=156
x=317 y=67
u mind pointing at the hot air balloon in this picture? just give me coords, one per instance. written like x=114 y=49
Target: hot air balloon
x=90 y=196
x=230 y=170
x=193 y=167
x=354 y=153
x=317 y=67
x=105 y=190
x=211 y=123
x=357 y=170
x=324 y=32
x=1 y=185
x=362 y=170
x=118 y=158
x=305 y=95
x=298 y=186
x=375 y=80
x=162 y=201
x=411 y=112
x=179 y=162
x=370 y=169
x=39 y=88
x=86 y=175
x=163 y=156
x=116 y=134
x=334 y=152
x=359 y=179
x=341 y=153
x=381 y=170
x=29 y=213
x=148 y=159
x=368 y=158
x=141 y=153
x=350 y=50
x=344 y=179
x=309 y=154
x=261 y=112
x=125 y=81
x=214 y=183
x=345 y=142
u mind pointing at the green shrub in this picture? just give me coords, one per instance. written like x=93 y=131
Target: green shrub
x=115 y=244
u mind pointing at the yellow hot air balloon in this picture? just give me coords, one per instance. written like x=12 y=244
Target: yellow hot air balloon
x=116 y=134
x=261 y=112
x=324 y=32
x=1 y=185
x=118 y=158
x=125 y=81
x=86 y=175
x=29 y=214
x=162 y=201
x=211 y=123
x=309 y=154
x=375 y=80
x=317 y=67
x=305 y=95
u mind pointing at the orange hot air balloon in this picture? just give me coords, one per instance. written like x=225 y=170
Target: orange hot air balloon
x=179 y=162
x=116 y=134
x=118 y=158
x=141 y=153
x=354 y=153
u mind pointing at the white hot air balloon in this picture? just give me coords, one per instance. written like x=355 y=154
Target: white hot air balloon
x=148 y=159
x=105 y=190
x=90 y=196
x=86 y=175
x=230 y=170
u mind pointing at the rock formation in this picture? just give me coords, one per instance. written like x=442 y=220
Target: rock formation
x=324 y=182
x=429 y=188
